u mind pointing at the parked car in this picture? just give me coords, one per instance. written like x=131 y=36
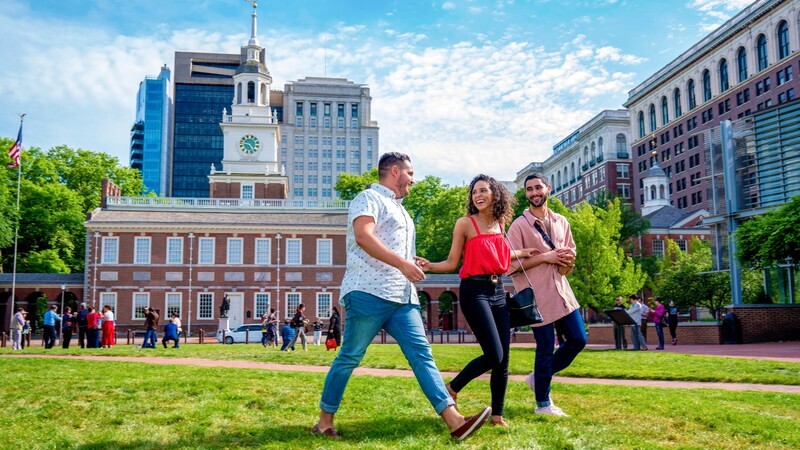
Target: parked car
x=239 y=334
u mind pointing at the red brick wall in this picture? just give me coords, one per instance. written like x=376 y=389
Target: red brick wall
x=697 y=333
x=767 y=323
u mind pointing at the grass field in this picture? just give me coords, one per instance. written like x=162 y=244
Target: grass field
x=97 y=404
x=452 y=357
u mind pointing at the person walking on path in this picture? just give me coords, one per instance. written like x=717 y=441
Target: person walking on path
x=16 y=331
x=480 y=238
x=378 y=292
x=672 y=321
x=272 y=328
x=635 y=311
x=109 y=328
x=658 y=319
x=67 y=325
x=49 y=324
x=299 y=322
x=550 y=236
x=620 y=342
x=335 y=326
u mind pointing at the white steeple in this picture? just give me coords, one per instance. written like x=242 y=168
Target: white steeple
x=656 y=189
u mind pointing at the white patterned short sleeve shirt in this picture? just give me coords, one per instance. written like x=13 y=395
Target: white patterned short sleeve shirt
x=395 y=229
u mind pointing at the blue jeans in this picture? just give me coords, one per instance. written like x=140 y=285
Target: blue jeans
x=149 y=339
x=660 y=334
x=548 y=363
x=366 y=315
x=637 y=338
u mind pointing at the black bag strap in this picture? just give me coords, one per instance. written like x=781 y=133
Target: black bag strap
x=544 y=235
x=505 y=235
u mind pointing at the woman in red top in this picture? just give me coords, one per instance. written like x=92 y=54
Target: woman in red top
x=487 y=255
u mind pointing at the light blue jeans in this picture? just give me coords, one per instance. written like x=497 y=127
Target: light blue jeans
x=366 y=314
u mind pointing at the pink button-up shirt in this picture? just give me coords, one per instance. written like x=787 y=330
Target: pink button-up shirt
x=554 y=296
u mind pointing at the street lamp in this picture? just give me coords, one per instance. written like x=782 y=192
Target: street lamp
x=94 y=282
x=278 y=237
x=189 y=316
x=61 y=311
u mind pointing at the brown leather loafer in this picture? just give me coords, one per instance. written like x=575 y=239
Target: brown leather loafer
x=471 y=424
x=329 y=432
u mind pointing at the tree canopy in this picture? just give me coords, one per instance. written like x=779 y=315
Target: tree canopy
x=348 y=185
x=772 y=238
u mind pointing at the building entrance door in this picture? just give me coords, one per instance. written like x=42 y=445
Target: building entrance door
x=236 y=311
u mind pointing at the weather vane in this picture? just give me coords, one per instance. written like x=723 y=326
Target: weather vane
x=253 y=2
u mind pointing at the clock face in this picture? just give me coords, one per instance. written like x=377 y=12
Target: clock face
x=249 y=144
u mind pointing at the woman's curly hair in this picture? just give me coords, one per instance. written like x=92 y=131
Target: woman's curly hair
x=503 y=202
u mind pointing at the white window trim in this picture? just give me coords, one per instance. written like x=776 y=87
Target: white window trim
x=213 y=250
x=330 y=305
x=287 y=313
x=113 y=303
x=166 y=304
x=255 y=303
x=116 y=256
x=173 y=238
x=241 y=190
x=228 y=252
x=269 y=251
x=330 y=241
x=300 y=252
x=198 y=306
x=134 y=307
x=136 y=249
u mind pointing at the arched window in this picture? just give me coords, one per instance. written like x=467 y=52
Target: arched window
x=652 y=192
x=783 y=40
x=239 y=93
x=558 y=178
x=579 y=166
x=594 y=151
x=552 y=180
x=664 y=111
x=586 y=154
x=251 y=92
x=264 y=93
x=741 y=62
x=676 y=102
x=572 y=171
x=600 y=146
x=652 y=117
x=706 y=85
x=641 y=124
x=622 y=144
x=723 y=75
x=761 y=52
x=661 y=192
x=690 y=94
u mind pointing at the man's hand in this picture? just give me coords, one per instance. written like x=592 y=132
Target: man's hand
x=411 y=271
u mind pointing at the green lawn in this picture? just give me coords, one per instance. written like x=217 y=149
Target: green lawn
x=452 y=357
x=51 y=403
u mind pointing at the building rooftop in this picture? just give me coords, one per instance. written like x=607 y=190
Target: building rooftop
x=667 y=216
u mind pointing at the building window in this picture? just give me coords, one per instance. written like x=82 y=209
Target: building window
x=261 y=306
x=783 y=40
x=172 y=304
x=110 y=250
x=664 y=111
x=690 y=94
x=141 y=300
x=313 y=106
x=324 y=305
x=327 y=122
x=292 y=302
x=110 y=299
x=676 y=102
x=706 y=85
x=247 y=191
x=174 y=250
x=623 y=171
x=262 y=251
x=205 y=249
x=658 y=248
x=652 y=118
x=324 y=252
x=294 y=251
x=299 y=108
x=641 y=124
x=624 y=191
x=741 y=62
x=205 y=305
x=141 y=253
x=235 y=250
x=723 y=75
x=761 y=52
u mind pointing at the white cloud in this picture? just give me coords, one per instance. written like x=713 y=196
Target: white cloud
x=448 y=5
x=717 y=11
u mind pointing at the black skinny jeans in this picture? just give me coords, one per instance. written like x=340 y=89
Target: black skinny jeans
x=484 y=306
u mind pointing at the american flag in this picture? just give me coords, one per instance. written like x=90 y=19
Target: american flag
x=16 y=150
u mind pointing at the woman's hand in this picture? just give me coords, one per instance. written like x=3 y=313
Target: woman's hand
x=422 y=263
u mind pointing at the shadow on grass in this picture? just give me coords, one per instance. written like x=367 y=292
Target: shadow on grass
x=382 y=433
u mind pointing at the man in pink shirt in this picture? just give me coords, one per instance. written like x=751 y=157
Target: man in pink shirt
x=554 y=257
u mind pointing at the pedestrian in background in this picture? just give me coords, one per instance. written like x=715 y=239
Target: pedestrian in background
x=93 y=327
x=317 y=327
x=16 y=330
x=49 y=321
x=108 y=328
x=672 y=321
x=67 y=325
x=658 y=318
x=620 y=342
x=287 y=335
x=635 y=311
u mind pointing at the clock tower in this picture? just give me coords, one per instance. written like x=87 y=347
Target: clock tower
x=250 y=133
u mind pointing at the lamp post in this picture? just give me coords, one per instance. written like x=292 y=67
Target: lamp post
x=61 y=311
x=278 y=237
x=94 y=282
x=189 y=316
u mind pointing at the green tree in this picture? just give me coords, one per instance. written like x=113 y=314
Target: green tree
x=772 y=238
x=602 y=270
x=435 y=208
x=348 y=185
x=633 y=223
x=41 y=308
x=522 y=202
x=44 y=261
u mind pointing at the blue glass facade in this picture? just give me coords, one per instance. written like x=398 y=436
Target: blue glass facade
x=149 y=135
x=198 y=137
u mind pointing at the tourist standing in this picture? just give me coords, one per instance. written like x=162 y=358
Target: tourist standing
x=150 y=324
x=635 y=311
x=16 y=330
x=672 y=321
x=109 y=328
x=620 y=342
x=67 y=325
x=658 y=320
x=93 y=327
x=335 y=326
x=83 y=325
x=317 y=327
x=49 y=324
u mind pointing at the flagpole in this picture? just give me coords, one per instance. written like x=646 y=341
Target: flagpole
x=16 y=232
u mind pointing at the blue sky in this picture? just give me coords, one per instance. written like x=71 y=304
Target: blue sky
x=463 y=86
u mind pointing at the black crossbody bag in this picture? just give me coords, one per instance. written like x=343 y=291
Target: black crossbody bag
x=522 y=307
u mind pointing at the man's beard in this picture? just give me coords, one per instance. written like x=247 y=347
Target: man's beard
x=532 y=200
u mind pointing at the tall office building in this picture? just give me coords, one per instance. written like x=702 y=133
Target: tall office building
x=325 y=126
x=151 y=133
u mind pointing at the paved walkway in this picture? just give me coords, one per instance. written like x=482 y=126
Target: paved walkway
x=407 y=373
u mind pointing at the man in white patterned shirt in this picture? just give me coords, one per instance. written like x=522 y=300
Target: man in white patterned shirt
x=378 y=292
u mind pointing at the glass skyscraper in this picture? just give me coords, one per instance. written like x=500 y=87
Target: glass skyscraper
x=151 y=133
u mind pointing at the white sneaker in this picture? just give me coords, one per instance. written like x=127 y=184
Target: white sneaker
x=529 y=381
x=551 y=410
